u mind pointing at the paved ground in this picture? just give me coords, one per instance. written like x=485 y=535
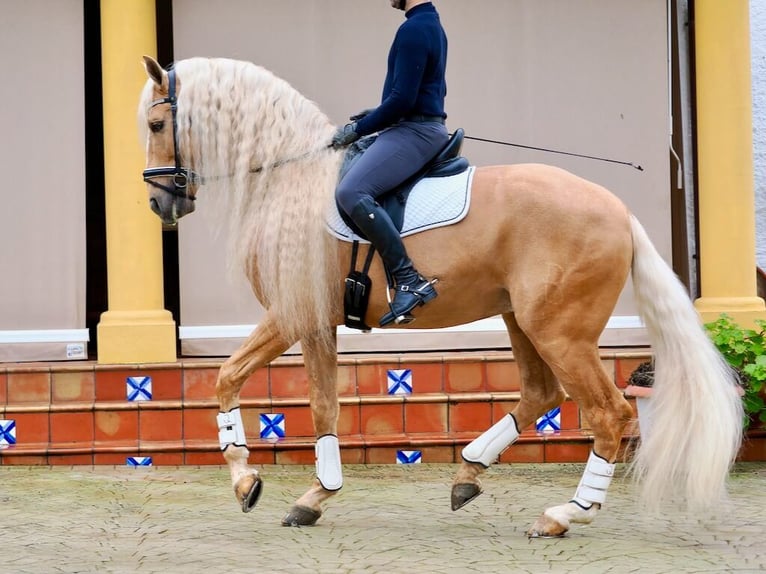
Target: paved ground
x=392 y=519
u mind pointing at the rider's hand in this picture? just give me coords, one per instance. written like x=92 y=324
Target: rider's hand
x=345 y=136
x=362 y=114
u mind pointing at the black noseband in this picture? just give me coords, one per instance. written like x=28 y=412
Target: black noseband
x=181 y=176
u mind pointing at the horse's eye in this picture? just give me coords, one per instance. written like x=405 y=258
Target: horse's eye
x=156 y=126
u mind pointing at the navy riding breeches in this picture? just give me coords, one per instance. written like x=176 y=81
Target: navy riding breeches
x=398 y=153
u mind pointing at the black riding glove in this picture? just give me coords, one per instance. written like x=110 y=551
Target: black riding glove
x=345 y=136
x=362 y=114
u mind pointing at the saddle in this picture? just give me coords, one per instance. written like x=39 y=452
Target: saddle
x=447 y=162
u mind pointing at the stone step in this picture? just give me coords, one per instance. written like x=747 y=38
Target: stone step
x=85 y=413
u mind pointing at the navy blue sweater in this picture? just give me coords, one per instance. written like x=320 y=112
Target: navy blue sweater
x=415 y=83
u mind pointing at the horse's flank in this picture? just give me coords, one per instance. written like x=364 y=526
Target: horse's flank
x=236 y=123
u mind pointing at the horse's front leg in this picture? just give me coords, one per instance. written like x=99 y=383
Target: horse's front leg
x=263 y=346
x=320 y=357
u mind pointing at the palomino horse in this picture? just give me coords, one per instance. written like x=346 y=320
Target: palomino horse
x=546 y=250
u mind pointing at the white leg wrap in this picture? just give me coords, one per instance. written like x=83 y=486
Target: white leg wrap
x=594 y=483
x=329 y=471
x=231 y=430
x=486 y=448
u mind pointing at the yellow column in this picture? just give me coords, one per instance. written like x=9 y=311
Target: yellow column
x=725 y=162
x=136 y=328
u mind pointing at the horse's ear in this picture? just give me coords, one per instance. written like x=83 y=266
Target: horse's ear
x=155 y=71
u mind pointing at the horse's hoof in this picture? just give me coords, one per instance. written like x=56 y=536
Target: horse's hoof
x=301 y=516
x=250 y=497
x=462 y=494
x=547 y=527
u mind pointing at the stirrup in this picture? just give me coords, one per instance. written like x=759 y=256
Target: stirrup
x=419 y=296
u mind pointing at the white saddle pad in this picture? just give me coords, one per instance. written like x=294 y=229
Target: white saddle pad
x=433 y=202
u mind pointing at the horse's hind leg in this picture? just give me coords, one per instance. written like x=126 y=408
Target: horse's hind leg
x=540 y=392
x=261 y=347
x=578 y=367
x=320 y=356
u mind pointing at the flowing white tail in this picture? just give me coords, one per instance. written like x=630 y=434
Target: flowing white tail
x=697 y=415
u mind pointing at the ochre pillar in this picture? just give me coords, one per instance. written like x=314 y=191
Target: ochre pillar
x=725 y=162
x=136 y=328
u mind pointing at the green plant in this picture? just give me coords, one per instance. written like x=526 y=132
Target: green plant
x=745 y=350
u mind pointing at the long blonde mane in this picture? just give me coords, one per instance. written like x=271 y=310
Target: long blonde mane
x=263 y=148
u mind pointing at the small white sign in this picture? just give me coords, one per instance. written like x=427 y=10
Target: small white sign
x=75 y=351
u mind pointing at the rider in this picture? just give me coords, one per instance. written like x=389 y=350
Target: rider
x=410 y=120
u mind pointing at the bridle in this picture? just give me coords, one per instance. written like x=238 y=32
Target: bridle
x=181 y=176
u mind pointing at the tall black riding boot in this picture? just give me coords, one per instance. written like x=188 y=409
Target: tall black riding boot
x=411 y=289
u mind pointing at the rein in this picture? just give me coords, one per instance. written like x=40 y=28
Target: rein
x=182 y=176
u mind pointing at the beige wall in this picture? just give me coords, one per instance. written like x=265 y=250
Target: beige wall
x=588 y=76
x=42 y=191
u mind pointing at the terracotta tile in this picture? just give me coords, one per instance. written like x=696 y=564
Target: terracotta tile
x=166 y=383
x=199 y=383
x=68 y=386
x=23 y=460
x=436 y=454
x=288 y=381
x=296 y=456
x=502 y=408
x=165 y=458
x=71 y=427
x=353 y=455
x=426 y=377
x=204 y=458
x=372 y=379
x=3 y=388
x=563 y=451
x=382 y=419
x=109 y=458
x=503 y=376
x=623 y=369
x=425 y=417
x=70 y=459
x=261 y=456
x=159 y=425
x=346 y=380
x=30 y=427
x=570 y=416
x=462 y=377
x=470 y=416
x=257 y=385
x=116 y=425
x=34 y=387
x=298 y=421
x=200 y=424
x=111 y=385
x=524 y=452
x=349 y=420
x=382 y=454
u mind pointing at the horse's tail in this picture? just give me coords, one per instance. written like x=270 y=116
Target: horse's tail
x=697 y=415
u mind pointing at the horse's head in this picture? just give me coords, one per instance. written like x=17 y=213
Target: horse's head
x=172 y=187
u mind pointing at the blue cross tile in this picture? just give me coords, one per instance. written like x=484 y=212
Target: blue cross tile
x=550 y=422
x=139 y=461
x=399 y=382
x=409 y=457
x=7 y=433
x=139 y=388
x=273 y=426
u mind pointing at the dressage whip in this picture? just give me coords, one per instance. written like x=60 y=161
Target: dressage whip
x=628 y=163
